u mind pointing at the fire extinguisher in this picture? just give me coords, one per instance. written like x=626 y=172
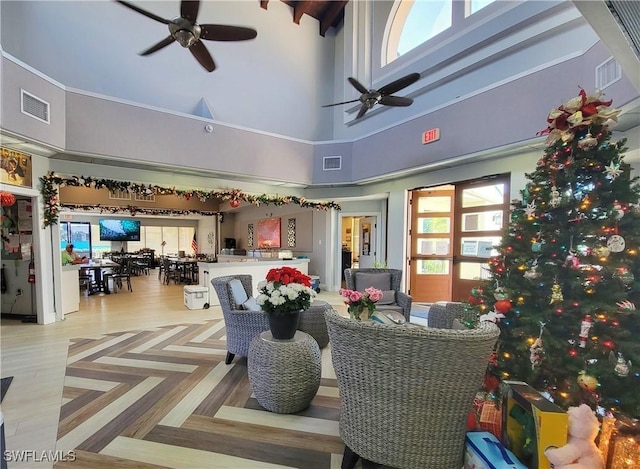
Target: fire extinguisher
x=32 y=272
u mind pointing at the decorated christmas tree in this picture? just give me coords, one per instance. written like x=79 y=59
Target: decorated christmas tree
x=567 y=277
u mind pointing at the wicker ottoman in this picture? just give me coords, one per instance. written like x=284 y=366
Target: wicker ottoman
x=284 y=374
x=313 y=323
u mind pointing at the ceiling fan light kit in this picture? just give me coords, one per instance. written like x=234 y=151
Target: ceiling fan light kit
x=184 y=30
x=370 y=97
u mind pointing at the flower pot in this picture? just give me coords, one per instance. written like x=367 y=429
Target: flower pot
x=284 y=326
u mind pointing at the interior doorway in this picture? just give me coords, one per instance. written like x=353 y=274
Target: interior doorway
x=454 y=229
x=359 y=239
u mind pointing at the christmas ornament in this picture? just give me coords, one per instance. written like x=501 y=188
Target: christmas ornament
x=536 y=246
x=532 y=273
x=624 y=275
x=572 y=260
x=555 y=198
x=617 y=209
x=530 y=211
x=626 y=305
x=234 y=203
x=616 y=243
x=587 y=142
x=536 y=351
x=613 y=170
x=556 y=294
x=492 y=316
x=502 y=306
x=7 y=199
x=586 y=381
x=603 y=251
x=500 y=294
x=585 y=327
x=622 y=368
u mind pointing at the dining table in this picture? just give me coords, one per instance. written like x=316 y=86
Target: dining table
x=98 y=267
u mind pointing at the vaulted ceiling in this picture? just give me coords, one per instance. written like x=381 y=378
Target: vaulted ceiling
x=328 y=13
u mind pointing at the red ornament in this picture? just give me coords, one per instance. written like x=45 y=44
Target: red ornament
x=7 y=199
x=475 y=300
x=235 y=203
x=502 y=306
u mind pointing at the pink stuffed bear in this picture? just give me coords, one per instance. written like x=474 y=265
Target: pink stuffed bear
x=580 y=452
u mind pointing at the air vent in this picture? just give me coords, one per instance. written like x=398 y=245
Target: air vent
x=331 y=163
x=35 y=107
x=607 y=73
x=119 y=195
x=145 y=198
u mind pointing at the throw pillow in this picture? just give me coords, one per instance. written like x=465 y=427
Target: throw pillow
x=388 y=297
x=251 y=305
x=381 y=280
x=238 y=295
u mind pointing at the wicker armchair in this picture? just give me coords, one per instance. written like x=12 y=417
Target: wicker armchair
x=402 y=300
x=442 y=314
x=241 y=325
x=405 y=390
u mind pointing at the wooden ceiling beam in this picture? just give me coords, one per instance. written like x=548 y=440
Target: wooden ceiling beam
x=330 y=16
x=299 y=9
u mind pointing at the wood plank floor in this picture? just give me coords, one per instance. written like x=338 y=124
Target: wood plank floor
x=138 y=380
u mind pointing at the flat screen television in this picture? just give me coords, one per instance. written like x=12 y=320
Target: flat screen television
x=119 y=230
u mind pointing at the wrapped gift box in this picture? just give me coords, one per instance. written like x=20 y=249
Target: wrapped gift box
x=531 y=424
x=484 y=451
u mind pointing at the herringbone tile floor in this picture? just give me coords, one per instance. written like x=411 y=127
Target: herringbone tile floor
x=137 y=380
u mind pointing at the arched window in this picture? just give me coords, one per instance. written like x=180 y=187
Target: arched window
x=414 y=22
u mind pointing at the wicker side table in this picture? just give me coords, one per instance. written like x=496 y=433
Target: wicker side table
x=313 y=323
x=284 y=374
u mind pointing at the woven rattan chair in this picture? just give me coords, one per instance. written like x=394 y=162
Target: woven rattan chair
x=442 y=314
x=402 y=300
x=405 y=390
x=241 y=325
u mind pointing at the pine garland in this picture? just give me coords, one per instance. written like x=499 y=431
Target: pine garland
x=51 y=182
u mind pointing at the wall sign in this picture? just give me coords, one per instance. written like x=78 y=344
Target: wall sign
x=430 y=136
x=15 y=167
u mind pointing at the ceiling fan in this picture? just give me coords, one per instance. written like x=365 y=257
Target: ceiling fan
x=370 y=98
x=188 y=33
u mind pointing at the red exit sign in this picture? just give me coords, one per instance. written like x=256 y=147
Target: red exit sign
x=430 y=136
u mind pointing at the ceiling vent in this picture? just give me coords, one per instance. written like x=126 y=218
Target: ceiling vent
x=331 y=163
x=35 y=107
x=607 y=73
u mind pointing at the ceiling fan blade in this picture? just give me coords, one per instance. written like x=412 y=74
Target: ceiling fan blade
x=155 y=48
x=357 y=85
x=399 y=84
x=364 y=108
x=189 y=9
x=396 y=101
x=221 y=32
x=343 y=102
x=143 y=12
x=202 y=55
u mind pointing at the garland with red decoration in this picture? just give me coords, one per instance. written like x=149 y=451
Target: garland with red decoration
x=49 y=189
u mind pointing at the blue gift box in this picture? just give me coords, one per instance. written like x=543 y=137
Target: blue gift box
x=484 y=451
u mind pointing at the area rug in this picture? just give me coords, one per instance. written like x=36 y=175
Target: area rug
x=4 y=386
x=163 y=397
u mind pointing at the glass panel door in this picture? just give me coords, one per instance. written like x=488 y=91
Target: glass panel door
x=481 y=208
x=431 y=244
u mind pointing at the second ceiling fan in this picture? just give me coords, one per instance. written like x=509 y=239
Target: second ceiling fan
x=188 y=33
x=370 y=98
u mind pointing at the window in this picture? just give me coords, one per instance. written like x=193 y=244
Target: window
x=414 y=22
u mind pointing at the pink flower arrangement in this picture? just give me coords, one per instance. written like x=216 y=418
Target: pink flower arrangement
x=357 y=301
